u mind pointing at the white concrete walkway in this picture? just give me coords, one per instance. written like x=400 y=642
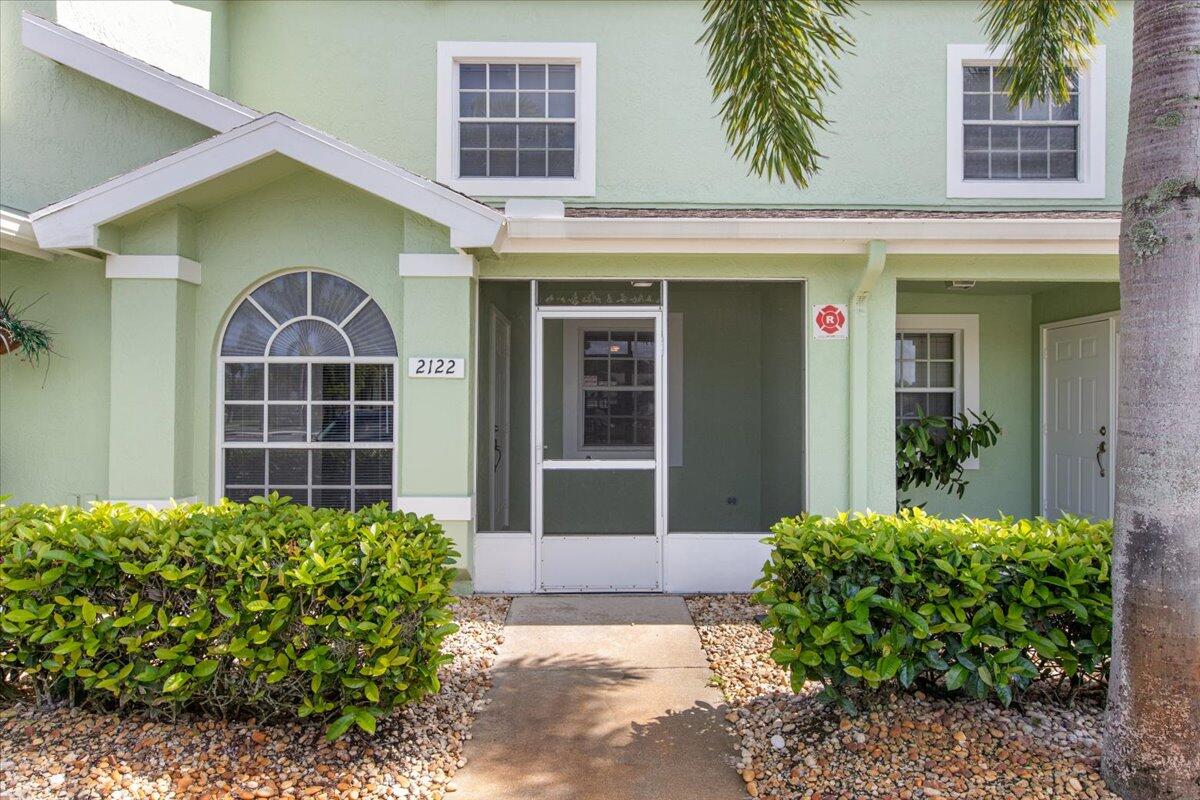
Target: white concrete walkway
x=601 y=697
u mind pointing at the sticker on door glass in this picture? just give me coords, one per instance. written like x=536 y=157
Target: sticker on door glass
x=436 y=367
x=829 y=321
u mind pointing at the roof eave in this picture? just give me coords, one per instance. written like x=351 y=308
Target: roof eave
x=810 y=235
x=76 y=221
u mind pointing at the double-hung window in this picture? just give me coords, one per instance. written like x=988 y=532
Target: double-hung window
x=928 y=374
x=937 y=366
x=516 y=118
x=1044 y=148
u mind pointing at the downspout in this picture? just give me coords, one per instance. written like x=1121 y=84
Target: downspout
x=860 y=374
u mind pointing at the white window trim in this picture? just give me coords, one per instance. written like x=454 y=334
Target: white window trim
x=582 y=54
x=966 y=326
x=1090 y=183
x=572 y=418
x=220 y=445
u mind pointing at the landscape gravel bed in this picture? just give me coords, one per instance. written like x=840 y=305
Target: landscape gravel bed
x=69 y=753
x=901 y=747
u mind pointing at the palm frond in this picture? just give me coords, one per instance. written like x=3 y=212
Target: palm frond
x=1048 y=41
x=770 y=63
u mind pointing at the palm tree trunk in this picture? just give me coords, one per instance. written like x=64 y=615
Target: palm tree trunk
x=1152 y=741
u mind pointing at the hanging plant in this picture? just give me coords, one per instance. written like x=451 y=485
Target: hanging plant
x=30 y=340
x=932 y=450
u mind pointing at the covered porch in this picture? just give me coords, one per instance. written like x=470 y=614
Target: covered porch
x=775 y=418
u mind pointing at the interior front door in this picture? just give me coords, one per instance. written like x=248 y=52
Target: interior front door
x=599 y=488
x=501 y=436
x=1077 y=420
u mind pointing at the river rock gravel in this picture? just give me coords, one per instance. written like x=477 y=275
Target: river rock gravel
x=900 y=747
x=69 y=753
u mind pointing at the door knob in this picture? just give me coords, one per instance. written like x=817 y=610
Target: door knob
x=1103 y=448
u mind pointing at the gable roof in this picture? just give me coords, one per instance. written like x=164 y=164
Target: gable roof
x=75 y=221
x=125 y=72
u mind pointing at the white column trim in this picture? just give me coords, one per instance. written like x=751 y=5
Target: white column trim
x=159 y=267
x=443 y=509
x=425 y=265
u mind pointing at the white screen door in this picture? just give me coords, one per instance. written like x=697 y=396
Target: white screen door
x=1077 y=419
x=599 y=442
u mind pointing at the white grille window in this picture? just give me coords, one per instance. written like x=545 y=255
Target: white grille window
x=1033 y=141
x=927 y=375
x=307 y=385
x=618 y=388
x=516 y=120
x=1039 y=149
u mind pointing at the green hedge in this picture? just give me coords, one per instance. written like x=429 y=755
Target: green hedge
x=265 y=609
x=978 y=606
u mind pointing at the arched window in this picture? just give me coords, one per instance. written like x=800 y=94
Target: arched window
x=307 y=381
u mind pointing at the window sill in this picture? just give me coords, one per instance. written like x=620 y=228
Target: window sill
x=522 y=187
x=1028 y=190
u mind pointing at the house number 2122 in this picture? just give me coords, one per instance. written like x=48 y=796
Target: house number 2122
x=435 y=367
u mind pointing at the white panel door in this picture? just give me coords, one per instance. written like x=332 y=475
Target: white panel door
x=1077 y=420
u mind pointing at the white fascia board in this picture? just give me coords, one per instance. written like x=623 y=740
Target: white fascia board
x=826 y=236
x=16 y=235
x=75 y=222
x=159 y=267
x=129 y=74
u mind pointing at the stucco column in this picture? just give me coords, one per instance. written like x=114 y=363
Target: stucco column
x=872 y=467
x=437 y=431
x=153 y=321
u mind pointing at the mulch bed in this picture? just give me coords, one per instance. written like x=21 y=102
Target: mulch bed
x=899 y=747
x=71 y=753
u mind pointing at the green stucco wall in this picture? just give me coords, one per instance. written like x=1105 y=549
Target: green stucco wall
x=658 y=130
x=1001 y=484
x=63 y=131
x=54 y=419
x=304 y=220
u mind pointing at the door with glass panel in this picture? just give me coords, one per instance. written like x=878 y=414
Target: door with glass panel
x=598 y=441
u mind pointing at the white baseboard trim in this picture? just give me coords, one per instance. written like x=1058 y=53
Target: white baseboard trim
x=694 y=562
x=712 y=562
x=443 y=509
x=156 y=503
x=503 y=563
x=427 y=265
x=164 y=267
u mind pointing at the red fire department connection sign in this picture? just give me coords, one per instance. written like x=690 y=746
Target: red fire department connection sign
x=829 y=321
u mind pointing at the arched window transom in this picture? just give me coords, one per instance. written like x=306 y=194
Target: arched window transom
x=308 y=394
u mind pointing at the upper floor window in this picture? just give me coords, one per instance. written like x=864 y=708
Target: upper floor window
x=1031 y=150
x=516 y=119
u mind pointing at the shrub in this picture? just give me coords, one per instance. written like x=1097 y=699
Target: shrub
x=977 y=606
x=263 y=609
x=932 y=451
